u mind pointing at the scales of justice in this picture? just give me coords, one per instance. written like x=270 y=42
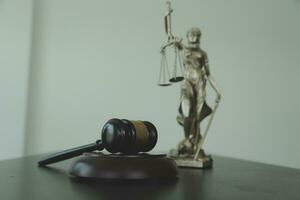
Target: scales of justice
x=191 y=68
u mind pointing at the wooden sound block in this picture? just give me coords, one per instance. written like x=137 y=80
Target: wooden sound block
x=97 y=165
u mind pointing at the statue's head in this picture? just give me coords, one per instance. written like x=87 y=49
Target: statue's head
x=193 y=36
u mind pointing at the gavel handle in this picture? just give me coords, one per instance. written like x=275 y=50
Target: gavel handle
x=64 y=155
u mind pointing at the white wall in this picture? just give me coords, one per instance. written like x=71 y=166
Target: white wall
x=94 y=60
x=15 y=39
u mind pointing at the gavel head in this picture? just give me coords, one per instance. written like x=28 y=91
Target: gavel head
x=130 y=137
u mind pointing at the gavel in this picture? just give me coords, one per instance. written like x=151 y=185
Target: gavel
x=117 y=136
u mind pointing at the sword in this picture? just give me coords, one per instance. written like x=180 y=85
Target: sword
x=200 y=143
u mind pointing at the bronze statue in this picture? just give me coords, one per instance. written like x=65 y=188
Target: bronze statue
x=193 y=107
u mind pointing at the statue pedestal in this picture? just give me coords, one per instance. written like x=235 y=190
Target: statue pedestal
x=98 y=165
x=188 y=161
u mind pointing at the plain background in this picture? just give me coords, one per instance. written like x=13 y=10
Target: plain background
x=15 y=44
x=68 y=66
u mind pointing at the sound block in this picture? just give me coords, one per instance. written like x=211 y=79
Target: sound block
x=97 y=165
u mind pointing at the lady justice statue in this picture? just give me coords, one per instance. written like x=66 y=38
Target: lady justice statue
x=193 y=108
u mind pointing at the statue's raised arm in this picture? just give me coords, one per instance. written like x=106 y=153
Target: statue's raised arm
x=172 y=40
x=168 y=22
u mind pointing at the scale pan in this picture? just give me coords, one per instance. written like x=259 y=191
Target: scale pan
x=165 y=84
x=176 y=79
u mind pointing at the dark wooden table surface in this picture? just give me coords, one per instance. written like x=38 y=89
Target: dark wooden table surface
x=21 y=179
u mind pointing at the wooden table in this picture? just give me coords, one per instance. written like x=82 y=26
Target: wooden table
x=21 y=179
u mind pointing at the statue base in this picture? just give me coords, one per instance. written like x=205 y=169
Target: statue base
x=188 y=161
x=97 y=165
